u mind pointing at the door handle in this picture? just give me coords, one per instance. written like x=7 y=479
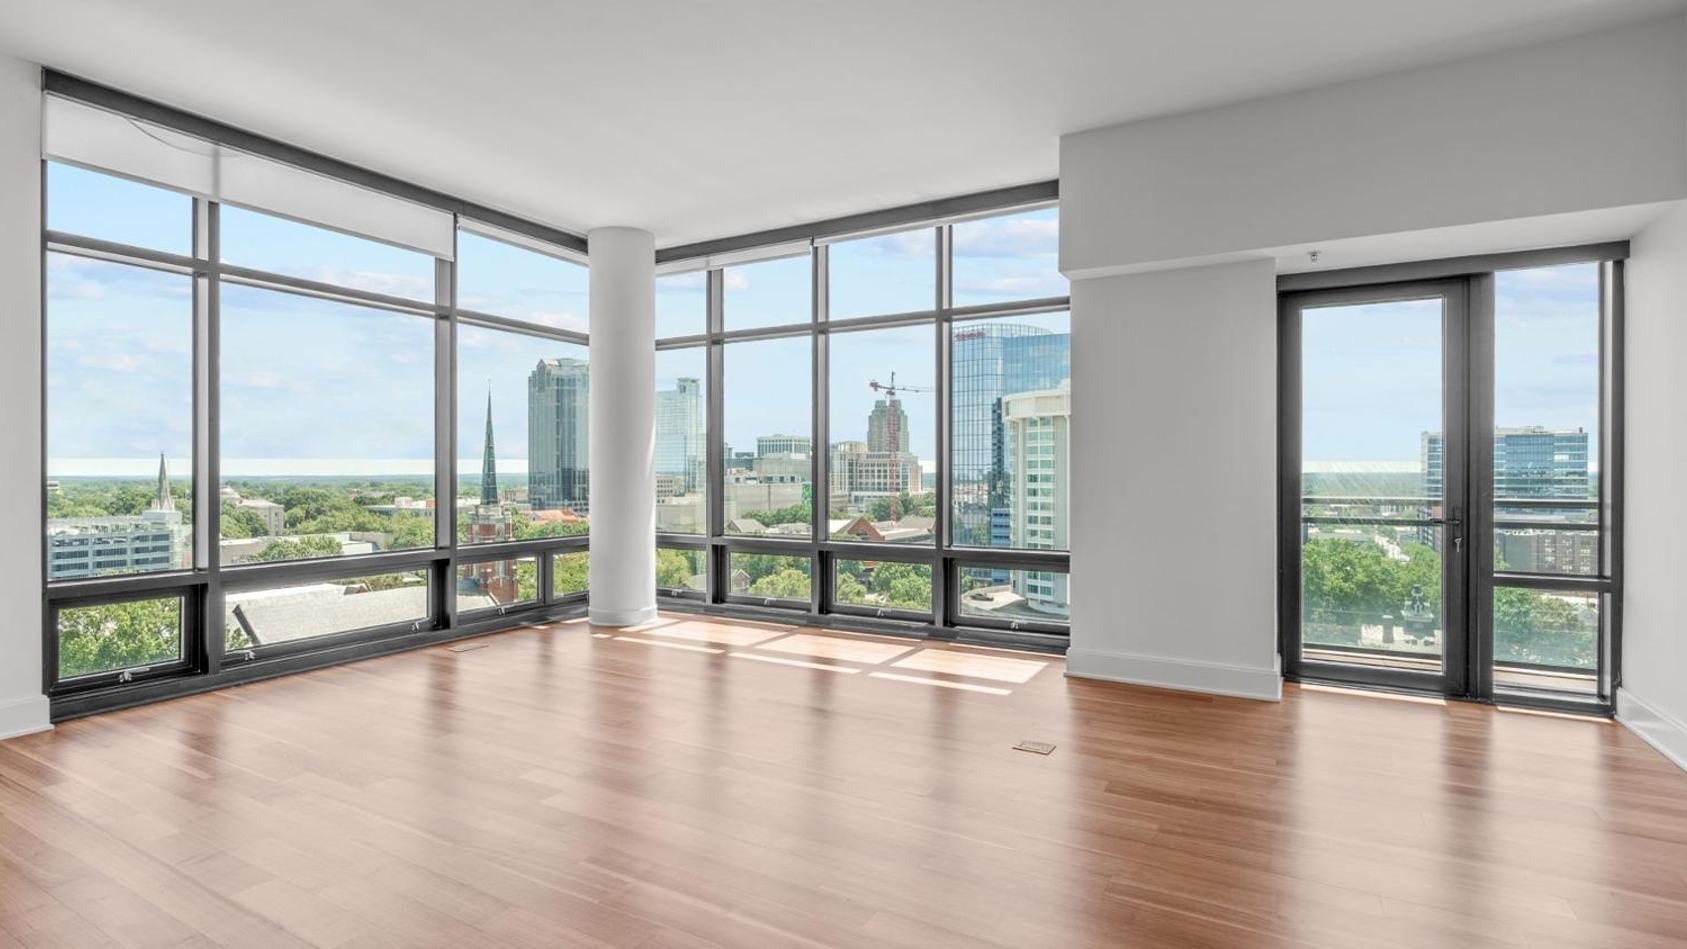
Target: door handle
x=1455 y=526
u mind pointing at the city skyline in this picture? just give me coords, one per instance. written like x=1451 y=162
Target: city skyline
x=145 y=405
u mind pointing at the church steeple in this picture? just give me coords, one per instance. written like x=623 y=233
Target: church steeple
x=488 y=467
x=162 y=501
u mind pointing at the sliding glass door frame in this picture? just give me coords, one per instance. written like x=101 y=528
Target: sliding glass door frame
x=1454 y=519
x=1468 y=285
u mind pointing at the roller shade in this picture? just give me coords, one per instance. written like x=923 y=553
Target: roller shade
x=92 y=137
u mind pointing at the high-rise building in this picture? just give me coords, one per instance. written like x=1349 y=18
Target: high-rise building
x=992 y=360
x=887 y=426
x=558 y=410
x=1037 y=434
x=156 y=539
x=680 y=448
x=1530 y=461
x=782 y=444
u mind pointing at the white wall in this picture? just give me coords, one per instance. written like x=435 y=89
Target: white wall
x=1653 y=698
x=1174 y=459
x=23 y=708
x=1596 y=121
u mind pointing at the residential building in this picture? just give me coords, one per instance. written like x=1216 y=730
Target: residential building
x=1037 y=433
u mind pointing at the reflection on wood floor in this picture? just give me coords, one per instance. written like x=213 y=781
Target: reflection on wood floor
x=776 y=786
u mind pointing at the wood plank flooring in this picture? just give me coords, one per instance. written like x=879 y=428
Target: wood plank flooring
x=565 y=787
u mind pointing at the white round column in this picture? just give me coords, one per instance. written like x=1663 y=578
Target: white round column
x=622 y=458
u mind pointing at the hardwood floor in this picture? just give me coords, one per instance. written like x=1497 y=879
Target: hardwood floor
x=654 y=788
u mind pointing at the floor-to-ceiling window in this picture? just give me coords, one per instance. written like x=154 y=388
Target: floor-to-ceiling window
x=1451 y=445
x=291 y=419
x=886 y=422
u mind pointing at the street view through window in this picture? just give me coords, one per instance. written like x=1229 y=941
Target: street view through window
x=327 y=423
x=1375 y=480
x=1009 y=395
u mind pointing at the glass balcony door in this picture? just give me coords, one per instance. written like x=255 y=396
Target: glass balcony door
x=1375 y=394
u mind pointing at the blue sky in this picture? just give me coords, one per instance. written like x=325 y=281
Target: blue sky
x=1372 y=374
x=306 y=380
x=309 y=384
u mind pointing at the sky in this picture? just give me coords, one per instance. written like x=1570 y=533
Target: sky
x=1372 y=374
x=316 y=387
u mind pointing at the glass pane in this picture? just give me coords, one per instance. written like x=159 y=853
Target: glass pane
x=883 y=585
x=117 y=209
x=1011 y=414
x=1546 y=640
x=682 y=304
x=115 y=636
x=1012 y=257
x=265 y=242
x=506 y=280
x=884 y=435
x=768 y=293
x=1041 y=596
x=568 y=573
x=773 y=576
x=891 y=273
x=523 y=416
x=681 y=448
x=768 y=478
x=1546 y=418
x=327 y=428
x=681 y=569
x=1372 y=453
x=119 y=366
x=494 y=583
x=311 y=609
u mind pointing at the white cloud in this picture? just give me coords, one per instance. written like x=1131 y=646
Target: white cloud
x=112 y=362
x=395 y=285
x=561 y=320
x=671 y=283
x=1008 y=237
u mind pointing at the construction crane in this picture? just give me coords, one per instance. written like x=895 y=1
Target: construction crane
x=891 y=390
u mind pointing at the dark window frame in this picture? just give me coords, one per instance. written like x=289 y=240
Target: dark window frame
x=1475 y=343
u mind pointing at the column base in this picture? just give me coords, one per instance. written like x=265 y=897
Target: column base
x=609 y=617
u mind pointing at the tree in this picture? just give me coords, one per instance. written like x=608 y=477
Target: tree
x=410 y=531
x=795 y=514
x=887 y=573
x=239 y=523
x=1539 y=628
x=789 y=584
x=569 y=572
x=119 y=635
x=529 y=529
x=910 y=592
x=302 y=549
x=850 y=590
x=526 y=580
x=675 y=568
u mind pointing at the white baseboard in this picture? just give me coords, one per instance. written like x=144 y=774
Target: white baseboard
x=1248 y=682
x=1655 y=727
x=24 y=716
x=607 y=617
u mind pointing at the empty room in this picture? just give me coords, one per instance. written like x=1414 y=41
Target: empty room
x=699 y=475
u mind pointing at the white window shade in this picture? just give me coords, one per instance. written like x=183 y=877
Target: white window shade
x=95 y=138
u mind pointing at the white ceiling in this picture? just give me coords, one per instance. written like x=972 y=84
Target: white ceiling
x=706 y=119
